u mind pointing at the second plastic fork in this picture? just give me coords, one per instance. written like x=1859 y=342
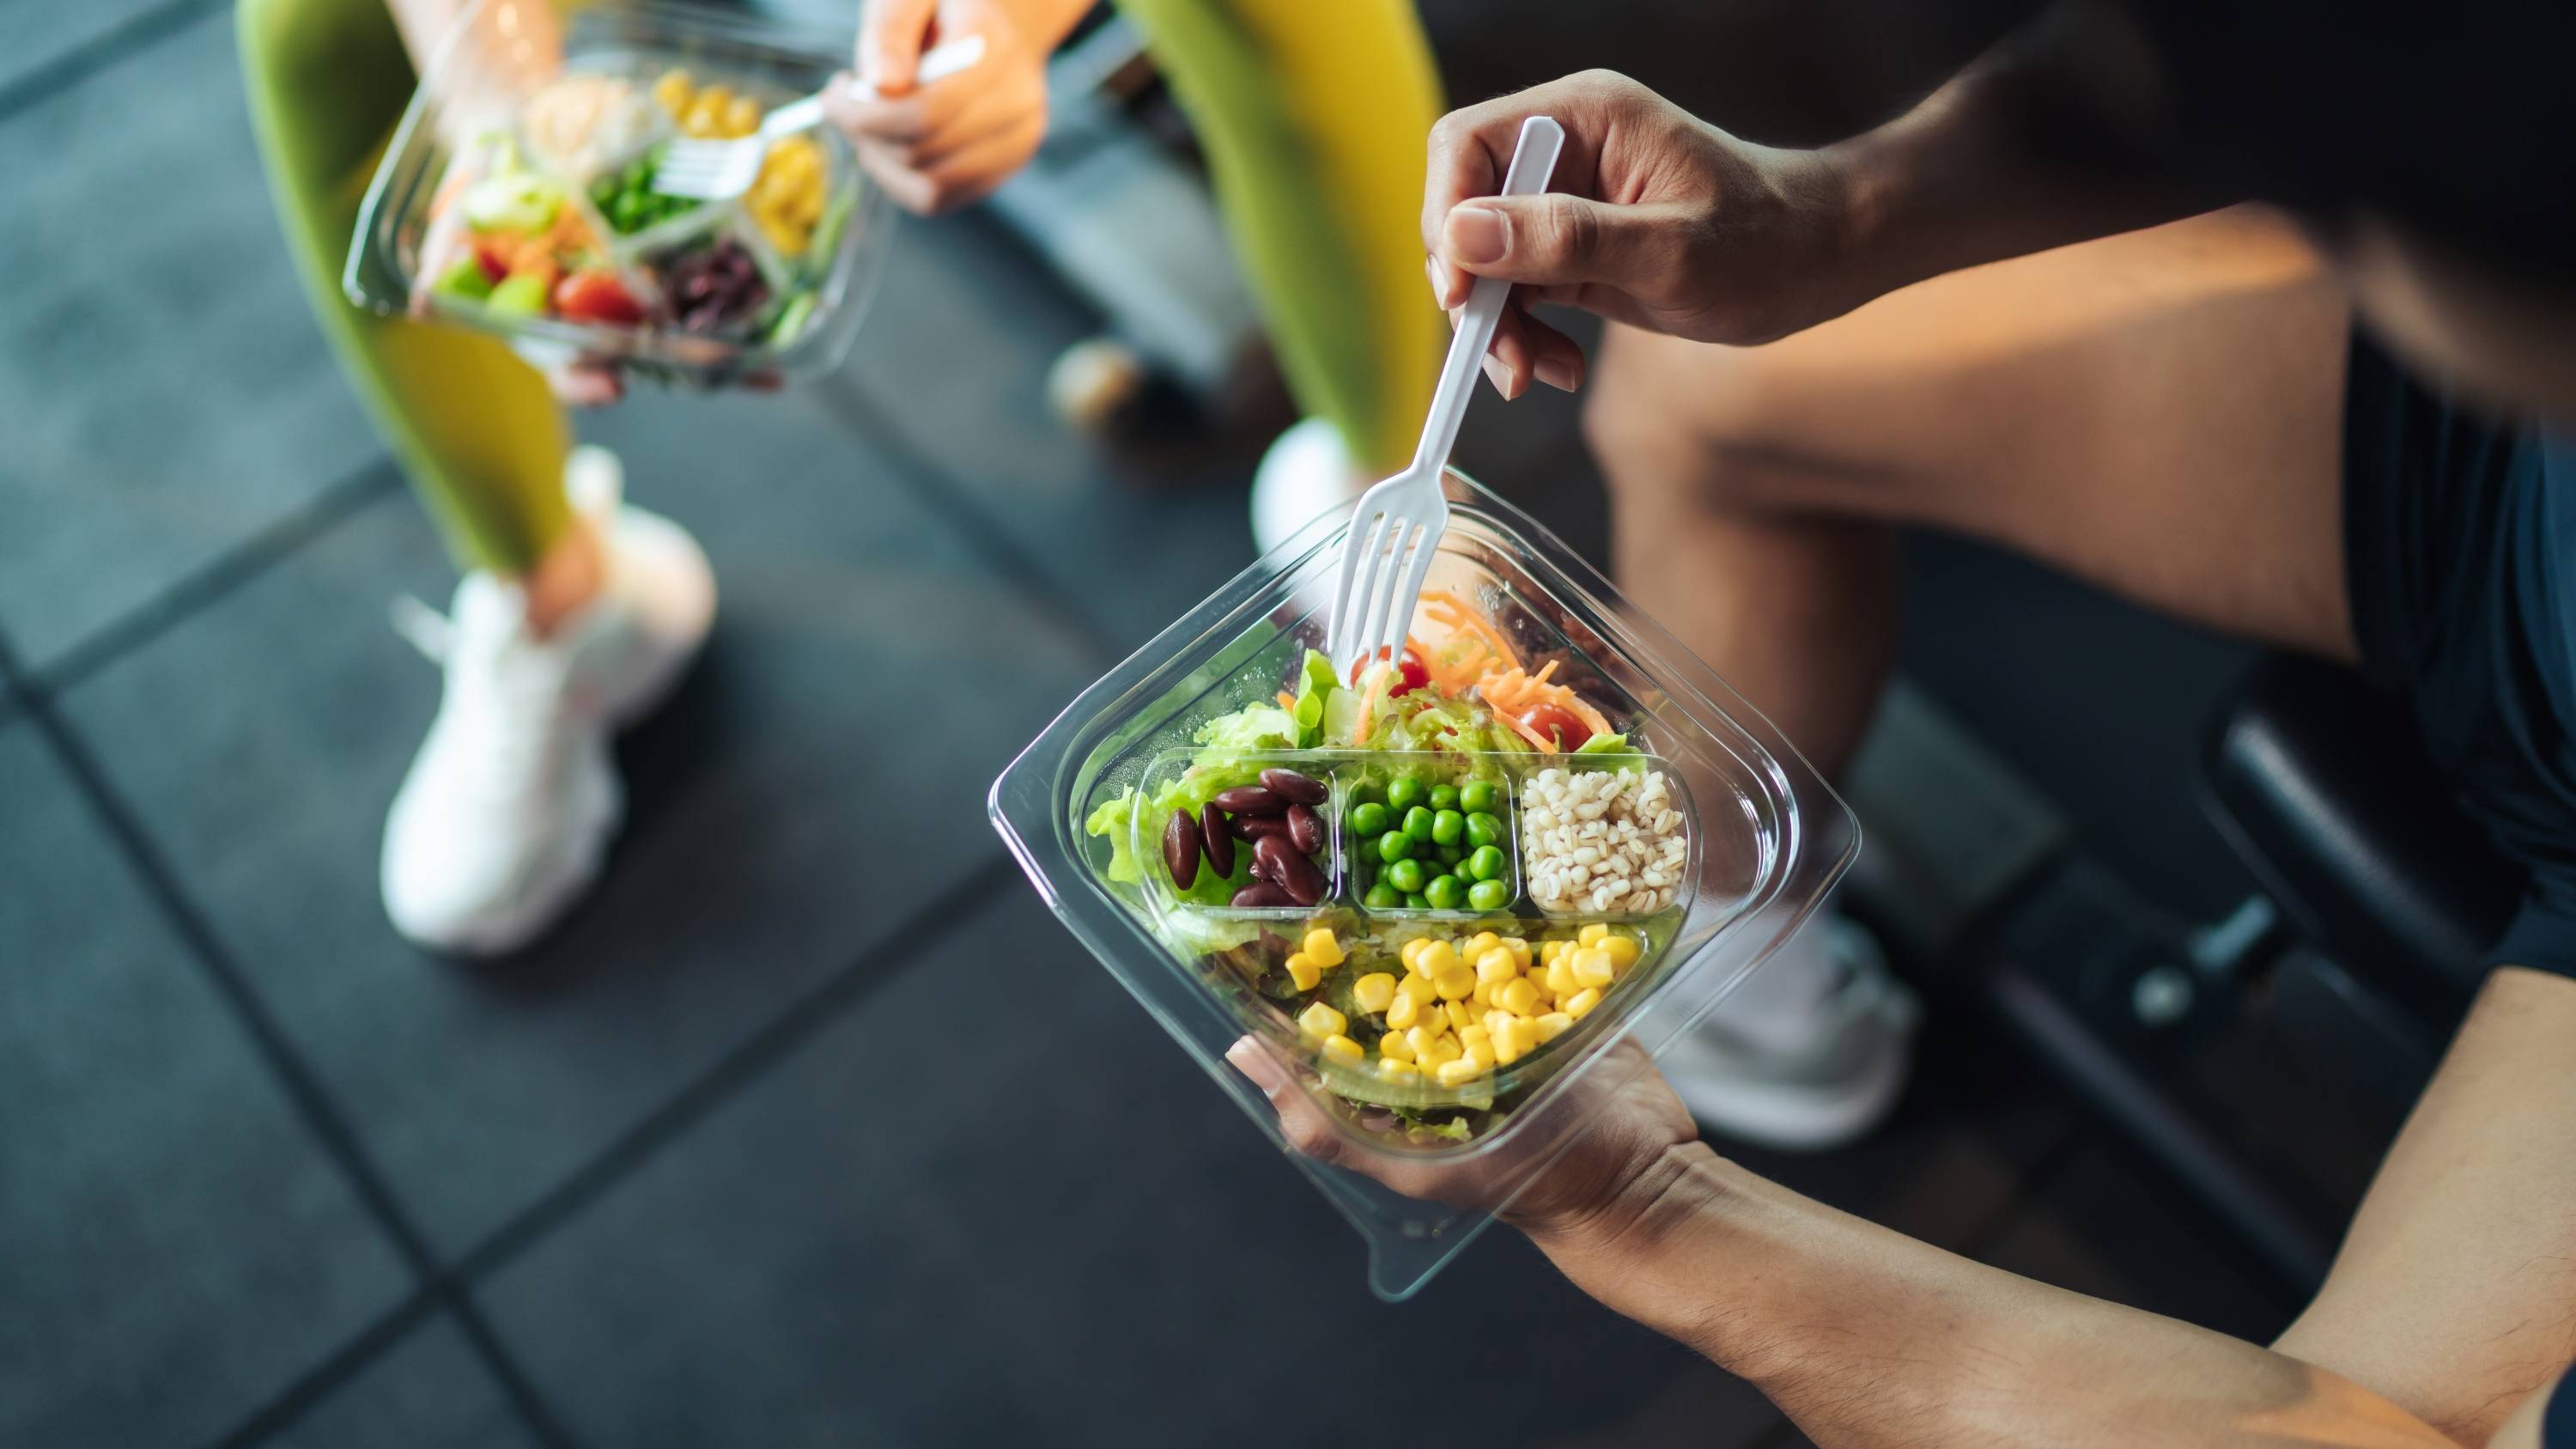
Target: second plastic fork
x=1386 y=555
x=722 y=170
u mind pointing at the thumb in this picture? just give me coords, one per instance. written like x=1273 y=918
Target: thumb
x=890 y=37
x=1553 y=238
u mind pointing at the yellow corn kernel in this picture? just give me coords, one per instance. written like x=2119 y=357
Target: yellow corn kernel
x=1582 y=1002
x=1425 y=1041
x=1482 y=998
x=1303 y=970
x=1456 y=984
x=1494 y=1025
x=1419 y=989
x=1548 y=951
x=1478 y=944
x=1322 y=1020
x=1621 y=949
x=1397 y=1071
x=1403 y=1011
x=1436 y=958
x=1482 y=1053
x=1522 y=1036
x=1374 y=992
x=1444 y=1048
x=1520 y=998
x=1494 y=966
x=674 y=91
x=1592 y=968
x=1326 y=951
x=1409 y=951
x=1460 y=1072
x=1472 y=1033
x=1559 y=978
x=1520 y=950
x=1591 y=935
x=705 y=117
x=1552 y=1025
x=1393 y=1045
x=1460 y=1015
x=1344 y=1050
x=742 y=117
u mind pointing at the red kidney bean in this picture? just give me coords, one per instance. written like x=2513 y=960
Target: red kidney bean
x=1216 y=840
x=1249 y=800
x=1295 y=788
x=1261 y=895
x=1290 y=871
x=1181 y=849
x=1305 y=829
x=1254 y=827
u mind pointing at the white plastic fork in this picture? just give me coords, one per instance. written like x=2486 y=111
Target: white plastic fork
x=1397 y=526
x=711 y=170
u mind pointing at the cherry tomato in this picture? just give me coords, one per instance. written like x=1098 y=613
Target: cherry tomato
x=1555 y=721
x=1410 y=672
x=493 y=252
x=595 y=297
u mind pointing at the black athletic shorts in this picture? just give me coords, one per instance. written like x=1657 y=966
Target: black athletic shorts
x=2460 y=559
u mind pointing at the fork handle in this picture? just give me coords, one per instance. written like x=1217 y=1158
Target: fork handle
x=1533 y=160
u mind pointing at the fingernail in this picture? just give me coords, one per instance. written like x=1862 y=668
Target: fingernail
x=1479 y=235
x=1495 y=374
x=1558 y=373
x=1254 y=1063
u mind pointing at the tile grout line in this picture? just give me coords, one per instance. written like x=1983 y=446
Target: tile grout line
x=244 y=562
x=796 y=1023
x=934 y=488
x=338 y=1367
x=306 y=1095
x=102 y=52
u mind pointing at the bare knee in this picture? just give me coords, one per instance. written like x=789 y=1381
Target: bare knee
x=1677 y=425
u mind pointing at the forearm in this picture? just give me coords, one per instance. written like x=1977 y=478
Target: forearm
x=1994 y=165
x=1869 y=1338
x=1048 y=22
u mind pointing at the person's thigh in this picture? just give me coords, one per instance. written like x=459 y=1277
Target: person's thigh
x=2159 y=413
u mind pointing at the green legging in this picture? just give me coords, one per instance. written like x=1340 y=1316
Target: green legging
x=477 y=430
x=1313 y=114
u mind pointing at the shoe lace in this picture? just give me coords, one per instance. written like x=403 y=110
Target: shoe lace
x=511 y=730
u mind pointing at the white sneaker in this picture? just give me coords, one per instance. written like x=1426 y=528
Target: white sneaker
x=1305 y=471
x=1819 y=1082
x=506 y=815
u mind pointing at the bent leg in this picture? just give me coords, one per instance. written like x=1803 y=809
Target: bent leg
x=1314 y=118
x=476 y=429
x=2158 y=413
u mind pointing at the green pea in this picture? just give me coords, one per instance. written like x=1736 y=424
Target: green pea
x=1487 y=863
x=1484 y=829
x=1369 y=818
x=1403 y=792
x=1444 y=797
x=1477 y=795
x=1489 y=895
x=1382 y=897
x=1405 y=875
x=1449 y=854
x=1445 y=893
x=1418 y=823
x=1393 y=846
x=1446 y=827
x=1415 y=902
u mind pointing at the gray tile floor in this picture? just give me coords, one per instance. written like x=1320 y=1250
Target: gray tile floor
x=701 y=1170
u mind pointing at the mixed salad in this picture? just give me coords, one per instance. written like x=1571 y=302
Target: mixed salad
x=1427 y=869
x=556 y=215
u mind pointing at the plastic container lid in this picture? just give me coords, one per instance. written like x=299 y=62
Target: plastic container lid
x=466 y=119
x=1767 y=838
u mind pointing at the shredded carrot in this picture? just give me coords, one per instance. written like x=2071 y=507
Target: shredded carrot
x=1472 y=649
x=1287 y=701
x=1513 y=692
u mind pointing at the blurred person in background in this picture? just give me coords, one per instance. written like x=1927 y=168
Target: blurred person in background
x=2012 y=312
x=576 y=612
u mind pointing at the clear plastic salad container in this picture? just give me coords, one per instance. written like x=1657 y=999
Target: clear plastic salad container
x=1527 y=674
x=517 y=197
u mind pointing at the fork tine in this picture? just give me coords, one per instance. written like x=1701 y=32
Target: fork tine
x=1390 y=620
x=1370 y=622
x=1417 y=573
x=1363 y=545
